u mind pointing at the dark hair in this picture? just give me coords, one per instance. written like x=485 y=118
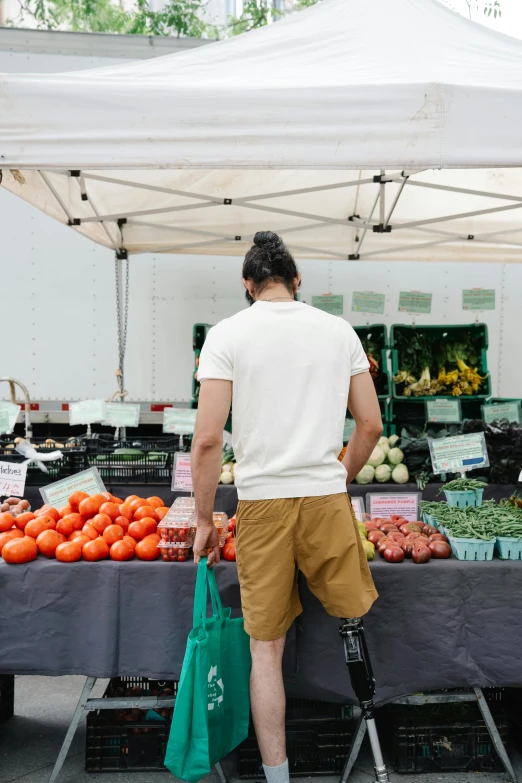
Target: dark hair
x=269 y=261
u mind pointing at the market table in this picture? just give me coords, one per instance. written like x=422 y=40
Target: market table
x=440 y=625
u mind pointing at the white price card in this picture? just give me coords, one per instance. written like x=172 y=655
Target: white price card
x=403 y=504
x=182 y=475
x=443 y=411
x=358 y=508
x=459 y=454
x=8 y=415
x=502 y=410
x=179 y=421
x=88 y=481
x=122 y=415
x=12 y=479
x=87 y=412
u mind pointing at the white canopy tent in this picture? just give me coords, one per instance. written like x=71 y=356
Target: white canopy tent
x=356 y=130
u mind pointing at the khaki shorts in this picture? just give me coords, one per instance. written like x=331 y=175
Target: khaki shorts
x=315 y=535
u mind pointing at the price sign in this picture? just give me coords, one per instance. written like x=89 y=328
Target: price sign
x=180 y=421
x=459 y=454
x=122 y=415
x=358 y=508
x=404 y=504
x=87 y=412
x=349 y=426
x=8 y=415
x=12 y=479
x=414 y=302
x=330 y=303
x=502 y=410
x=478 y=299
x=182 y=476
x=88 y=481
x=367 y=302
x=443 y=411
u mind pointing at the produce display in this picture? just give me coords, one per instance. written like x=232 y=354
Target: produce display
x=373 y=341
x=385 y=465
x=430 y=366
x=396 y=539
x=15 y=506
x=484 y=523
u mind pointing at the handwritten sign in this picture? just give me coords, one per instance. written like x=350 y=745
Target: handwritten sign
x=87 y=412
x=8 y=415
x=414 y=302
x=502 y=410
x=122 y=415
x=330 y=303
x=182 y=476
x=459 y=454
x=88 y=481
x=349 y=426
x=358 y=508
x=478 y=299
x=12 y=479
x=443 y=411
x=404 y=504
x=367 y=302
x=180 y=421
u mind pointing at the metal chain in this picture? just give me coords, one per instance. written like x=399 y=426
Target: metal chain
x=122 y=334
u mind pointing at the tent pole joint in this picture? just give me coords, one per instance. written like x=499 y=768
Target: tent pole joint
x=122 y=254
x=74 y=222
x=75 y=173
x=227 y=202
x=471 y=236
x=354 y=257
x=237 y=239
x=121 y=222
x=382 y=229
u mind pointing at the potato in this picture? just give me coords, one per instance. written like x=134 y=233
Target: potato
x=24 y=505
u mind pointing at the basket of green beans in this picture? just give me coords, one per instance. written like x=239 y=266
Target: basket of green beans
x=464 y=492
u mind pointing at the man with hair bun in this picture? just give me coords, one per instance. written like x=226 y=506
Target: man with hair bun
x=290 y=371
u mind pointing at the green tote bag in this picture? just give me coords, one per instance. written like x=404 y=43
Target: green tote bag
x=212 y=707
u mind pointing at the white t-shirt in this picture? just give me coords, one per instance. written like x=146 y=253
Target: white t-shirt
x=290 y=365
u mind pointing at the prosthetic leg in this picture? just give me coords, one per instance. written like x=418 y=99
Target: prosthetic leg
x=363 y=684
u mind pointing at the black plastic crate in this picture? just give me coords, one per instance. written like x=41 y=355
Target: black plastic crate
x=149 y=466
x=73 y=459
x=6 y=696
x=318 y=739
x=410 y=413
x=374 y=339
x=125 y=740
x=421 y=747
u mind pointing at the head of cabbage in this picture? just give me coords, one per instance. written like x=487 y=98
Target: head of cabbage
x=395 y=456
x=383 y=474
x=366 y=475
x=400 y=474
x=377 y=457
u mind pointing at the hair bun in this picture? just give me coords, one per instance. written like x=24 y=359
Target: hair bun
x=267 y=239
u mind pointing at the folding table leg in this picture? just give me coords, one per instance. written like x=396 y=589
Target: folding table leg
x=355 y=748
x=71 y=731
x=493 y=733
x=219 y=770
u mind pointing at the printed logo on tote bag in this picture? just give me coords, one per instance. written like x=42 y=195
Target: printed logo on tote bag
x=215 y=688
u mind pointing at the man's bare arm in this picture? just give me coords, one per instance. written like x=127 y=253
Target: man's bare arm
x=213 y=408
x=364 y=407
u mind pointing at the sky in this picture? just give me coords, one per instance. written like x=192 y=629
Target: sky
x=509 y=23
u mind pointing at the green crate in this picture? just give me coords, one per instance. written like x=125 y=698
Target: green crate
x=441 y=332
x=410 y=412
x=379 y=334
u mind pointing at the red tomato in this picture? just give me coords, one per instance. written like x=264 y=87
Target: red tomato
x=100 y=522
x=48 y=541
x=68 y=552
x=20 y=550
x=145 y=511
x=130 y=541
x=421 y=554
x=88 y=507
x=393 y=554
x=76 y=498
x=155 y=502
x=137 y=530
x=120 y=550
x=112 y=534
x=22 y=519
x=8 y=536
x=150 y=524
x=122 y=522
x=134 y=505
x=90 y=531
x=96 y=550
x=125 y=511
x=111 y=509
x=147 y=549
x=229 y=550
x=433 y=537
x=374 y=536
x=7 y=521
x=440 y=549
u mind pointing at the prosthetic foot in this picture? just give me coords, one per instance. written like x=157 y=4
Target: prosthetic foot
x=363 y=684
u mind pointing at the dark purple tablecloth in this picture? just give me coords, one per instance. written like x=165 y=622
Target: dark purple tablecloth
x=443 y=624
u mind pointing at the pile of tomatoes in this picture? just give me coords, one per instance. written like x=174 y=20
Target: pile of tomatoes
x=89 y=527
x=395 y=538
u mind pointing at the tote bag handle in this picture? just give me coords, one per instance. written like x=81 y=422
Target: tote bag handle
x=206 y=579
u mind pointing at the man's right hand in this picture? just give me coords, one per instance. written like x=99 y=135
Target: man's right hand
x=207 y=537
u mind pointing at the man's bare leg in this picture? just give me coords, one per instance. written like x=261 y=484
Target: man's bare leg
x=267 y=695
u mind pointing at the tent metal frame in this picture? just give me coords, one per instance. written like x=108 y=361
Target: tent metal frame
x=114 y=223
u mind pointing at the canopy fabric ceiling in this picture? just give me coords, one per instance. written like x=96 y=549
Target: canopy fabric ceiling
x=372 y=130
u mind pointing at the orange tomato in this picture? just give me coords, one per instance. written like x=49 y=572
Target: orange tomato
x=90 y=531
x=88 y=507
x=76 y=498
x=131 y=497
x=125 y=511
x=117 y=501
x=137 y=530
x=145 y=511
x=20 y=550
x=48 y=541
x=134 y=505
x=7 y=521
x=79 y=538
x=14 y=533
x=112 y=534
x=129 y=540
x=68 y=552
x=22 y=519
x=35 y=527
x=122 y=522
x=48 y=511
x=95 y=550
x=65 y=526
x=108 y=496
x=76 y=520
x=101 y=499
x=100 y=522
x=155 y=502
x=150 y=524
x=111 y=509
x=64 y=511
x=154 y=536
x=147 y=549
x=161 y=512
x=49 y=521
x=120 y=550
